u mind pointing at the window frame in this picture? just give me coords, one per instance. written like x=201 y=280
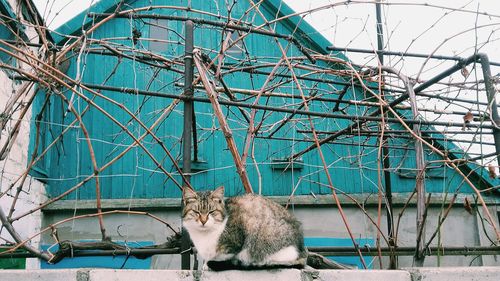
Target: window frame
x=158 y=30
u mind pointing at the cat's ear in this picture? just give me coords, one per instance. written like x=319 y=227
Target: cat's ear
x=218 y=194
x=188 y=195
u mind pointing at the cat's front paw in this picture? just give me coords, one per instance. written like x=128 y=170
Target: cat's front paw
x=205 y=267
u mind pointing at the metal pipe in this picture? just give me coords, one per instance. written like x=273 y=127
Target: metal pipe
x=401 y=147
x=420 y=94
x=397 y=101
x=389 y=131
x=319 y=97
x=355 y=118
x=290 y=117
x=334 y=142
x=99 y=253
x=400 y=54
x=30 y=44
x=220 y=24
x=458 y=66
x=187 y=134
x=385 y=150
x=408 y=251
x=490 y=92
x=325 y=251
x=482 y=156
x=322 y=80
x=144 y=59
x=339 y=92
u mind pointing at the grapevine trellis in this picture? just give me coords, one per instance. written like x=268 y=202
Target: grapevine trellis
x=417 y=111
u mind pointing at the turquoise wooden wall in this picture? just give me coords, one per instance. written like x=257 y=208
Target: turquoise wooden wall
x=352 y=166
x=7 y=31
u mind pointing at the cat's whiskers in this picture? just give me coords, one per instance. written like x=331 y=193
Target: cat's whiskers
x=251 y=231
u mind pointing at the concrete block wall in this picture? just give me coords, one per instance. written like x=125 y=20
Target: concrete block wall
x=460 y=229
x=16 y=161
x=422 y=274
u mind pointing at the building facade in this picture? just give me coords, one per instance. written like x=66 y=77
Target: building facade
x=112 y=134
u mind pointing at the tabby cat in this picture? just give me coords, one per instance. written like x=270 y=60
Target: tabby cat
x=243 y=232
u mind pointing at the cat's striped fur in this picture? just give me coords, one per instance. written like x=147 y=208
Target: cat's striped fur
x=243 y=232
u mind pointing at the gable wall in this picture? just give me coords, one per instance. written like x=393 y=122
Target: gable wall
x=353 y=168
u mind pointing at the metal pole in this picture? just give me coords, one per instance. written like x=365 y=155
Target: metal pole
x=492 y=102
x=400 y=54
x=467 y=251
x=357 y=119
x=186 y=140
x=380 y=33
x=385 y=149
x=221 y=24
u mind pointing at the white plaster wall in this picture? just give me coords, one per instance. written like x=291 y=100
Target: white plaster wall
x=12 y=168
x=15 y=164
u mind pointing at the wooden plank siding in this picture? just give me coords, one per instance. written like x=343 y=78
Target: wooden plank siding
x=353 y=167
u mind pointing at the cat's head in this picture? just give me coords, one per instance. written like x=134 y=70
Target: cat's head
x=203 y=210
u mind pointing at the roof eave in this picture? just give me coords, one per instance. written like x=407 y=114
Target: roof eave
x=450 y=147
x=74 y=25
x=306 y=32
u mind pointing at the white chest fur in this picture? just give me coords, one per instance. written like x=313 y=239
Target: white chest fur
x=205 y=238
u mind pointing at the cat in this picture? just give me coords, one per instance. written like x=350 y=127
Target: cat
x=243 y=232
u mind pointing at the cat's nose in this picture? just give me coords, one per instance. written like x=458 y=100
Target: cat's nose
x=203 y=219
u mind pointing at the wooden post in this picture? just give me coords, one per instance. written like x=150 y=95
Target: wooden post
x=419 y=184
x=420 y=166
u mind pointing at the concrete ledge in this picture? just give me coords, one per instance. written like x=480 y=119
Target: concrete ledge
x=455 y=274
x=399 y=199
x=39 y=275
x=368 y=275
x=186 y=275
x=412 y=274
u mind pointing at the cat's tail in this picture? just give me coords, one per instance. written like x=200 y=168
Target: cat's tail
x=231 y=265
x=318 y=261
